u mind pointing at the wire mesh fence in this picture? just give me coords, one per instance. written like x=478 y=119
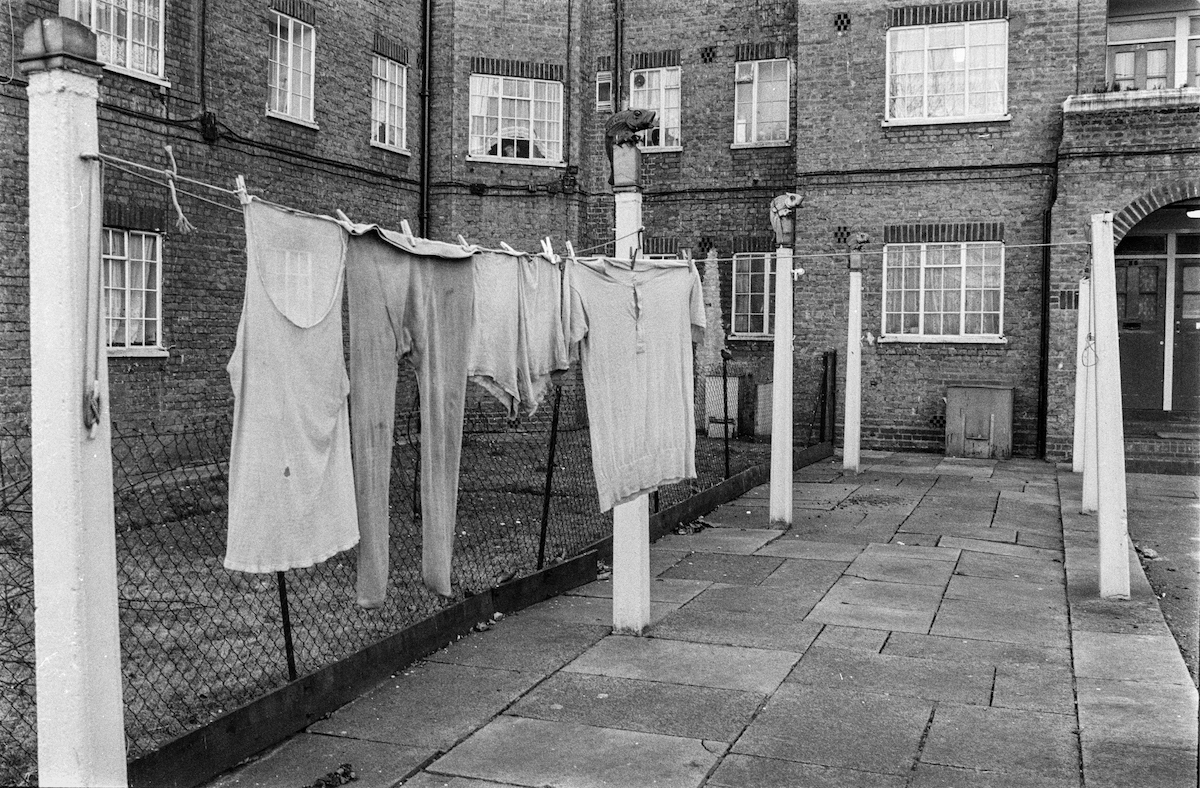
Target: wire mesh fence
x=198 y=640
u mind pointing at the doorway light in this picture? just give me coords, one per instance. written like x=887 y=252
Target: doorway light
x=1194 y=214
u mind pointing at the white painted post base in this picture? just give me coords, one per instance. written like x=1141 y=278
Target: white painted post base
x=852 y=431
x=631 y=566
x=1110 y=429
x=781 y=392
x=81 y=732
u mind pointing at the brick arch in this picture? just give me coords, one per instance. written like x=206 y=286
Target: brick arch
x=1151 y=201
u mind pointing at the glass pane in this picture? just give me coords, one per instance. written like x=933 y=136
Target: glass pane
x=1191 y=279
x=1147 y=279
x=1191 y=306
x=1187 y=244
x=1144 y=244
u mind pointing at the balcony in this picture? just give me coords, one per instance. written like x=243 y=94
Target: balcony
x=1133 y=100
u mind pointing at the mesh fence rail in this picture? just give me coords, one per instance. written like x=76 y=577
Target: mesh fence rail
x=199 y=640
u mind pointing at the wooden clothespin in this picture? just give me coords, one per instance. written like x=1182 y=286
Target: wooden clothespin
x=508 y=248
x=341 y=215
x=406 y=229
x=570 y=250
x=463 y=243
x=243 y=195
x=547 y=249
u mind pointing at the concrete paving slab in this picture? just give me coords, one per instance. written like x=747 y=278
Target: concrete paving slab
x=661 y=560
x=427 y=780
x=739 y=541
x=967 y=530
x=998 y=620
x=693 y=664
x=738 y=515
x=650 y=706
x=1035 y=539
x=1030 y=570
x=306 y=758
x=760 y=617
x=869 y=529
x=861 y=671
x=919 y=540
x=1136 y=712
x=748 y=771
x=806 y=495
x=933 y=776
x=913 y=551
x=1047 y=688
x=871 y=617
x=430 y=705
x=1092 y=614
x=829 y=728
x=895 y=596
x=738 y=569
x=901 y=569
x=1003 y=740
x=568 y=755
x=793 y=546
x=833 y=636
x=998 y=653
x=1121 y=656
x=1014 y=591
x=661 y=589
x=805 y=576
x=996 y=548
x=589 y=610
x=522 y=643
x=1118 y=765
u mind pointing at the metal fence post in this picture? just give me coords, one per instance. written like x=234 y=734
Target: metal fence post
x=549 y=477
x=288 y=650
x=725 y=395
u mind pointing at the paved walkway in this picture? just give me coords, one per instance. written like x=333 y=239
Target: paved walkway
x=926 y=623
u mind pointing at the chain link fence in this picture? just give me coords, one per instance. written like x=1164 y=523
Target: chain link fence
x=198 y=640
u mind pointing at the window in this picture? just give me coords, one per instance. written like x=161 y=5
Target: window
x=290 y=74
x=943 y=290
x=761 y=101
x=948 y=72
x=752 y=294
x=517 y=119
x=132 y=273
x=604 y=91
x=129 y=33
x=389 y=91
x=658 y=89
x=1153 y=53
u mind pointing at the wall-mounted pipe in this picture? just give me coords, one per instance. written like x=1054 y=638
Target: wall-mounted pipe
x=426 y=100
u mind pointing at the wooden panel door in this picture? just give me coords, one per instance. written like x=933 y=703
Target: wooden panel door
x=1141 y=293
x=1185 y=382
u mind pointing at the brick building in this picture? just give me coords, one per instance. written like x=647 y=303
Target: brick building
x=962 y=138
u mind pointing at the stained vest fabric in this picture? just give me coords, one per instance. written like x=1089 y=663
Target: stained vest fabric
x=291 y=487
x=635 y=330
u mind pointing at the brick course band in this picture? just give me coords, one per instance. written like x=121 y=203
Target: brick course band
x=764 y=50
x=134 y=217
x=390 y=49
x=956 y=232
x=663 y=59
x=525 y=69
x=948 y=12
x=297 y=9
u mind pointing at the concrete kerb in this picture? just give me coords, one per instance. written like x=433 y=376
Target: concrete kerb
x=1134 y=695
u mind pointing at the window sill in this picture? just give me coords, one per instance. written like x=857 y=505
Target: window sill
x=135 y=74
x=751 y=337
x=519 y=162
x=293 y=119
x=662 y=149
x=138 y=352
x=392 y=148
x=888 y=123
x=897 y=339
x=765 y=144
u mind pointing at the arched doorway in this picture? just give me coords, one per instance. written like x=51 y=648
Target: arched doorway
x=1158 y=306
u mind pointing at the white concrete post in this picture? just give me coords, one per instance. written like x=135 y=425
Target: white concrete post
x=781 y=392
x=1110 y=430
x=631 y=520
x=852 y=432
x=1083 y=358
x=81 y=735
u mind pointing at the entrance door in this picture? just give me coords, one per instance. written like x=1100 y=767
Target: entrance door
x=1185 y=392
x=1141 y=292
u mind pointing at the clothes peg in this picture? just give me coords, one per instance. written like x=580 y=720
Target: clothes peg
x=570 y=250
x=463 y=243
x=406 y=229
x=243 y=195
x=341 y=215
x=508 y=248
x=547 y=249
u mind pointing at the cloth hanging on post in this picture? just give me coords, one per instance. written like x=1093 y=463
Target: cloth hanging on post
x=520 y=336
x=408 y=297
x=291 y=487
x=635 y=330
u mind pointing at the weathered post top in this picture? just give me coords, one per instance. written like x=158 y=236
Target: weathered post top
x=856 y=254
x=620 y=142
x=783 y=217
x=59 y=43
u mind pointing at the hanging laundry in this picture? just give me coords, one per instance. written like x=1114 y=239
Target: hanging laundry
x=408 y=297
x=291 y=486
x=519 y=338
x=635 y=329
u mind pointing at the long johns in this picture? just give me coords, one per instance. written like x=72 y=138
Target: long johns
x=404 y=302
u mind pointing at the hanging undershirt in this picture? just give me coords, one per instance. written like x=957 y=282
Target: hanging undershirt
x=291 y=488
x=408 y=297
x=635 y=330
x=519 y=338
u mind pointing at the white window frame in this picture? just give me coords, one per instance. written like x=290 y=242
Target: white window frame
x=891 y=251
x=1186 y=72
x=286 y=101
x=90 y=12
x=666 y=100
x=148 y=292
x=518 y=124
x=738 y=291
x=746 y=114
x=389 y=98
x=604 y=78
x=925 y=118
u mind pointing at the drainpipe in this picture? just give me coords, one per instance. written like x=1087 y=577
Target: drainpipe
x=1043 y=400
x=618 y=37
x=426 y=83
